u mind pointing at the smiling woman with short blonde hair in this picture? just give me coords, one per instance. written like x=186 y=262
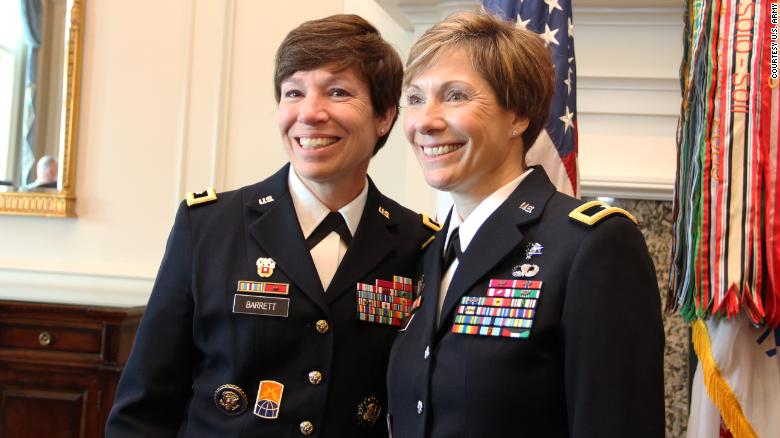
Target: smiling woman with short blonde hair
x=515 y=63
x=540 y=314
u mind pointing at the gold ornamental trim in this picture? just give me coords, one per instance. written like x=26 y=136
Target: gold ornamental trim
x=60 y=203
x=718 y=388
x=73 y=95
x=578 y=214
x=38 y=204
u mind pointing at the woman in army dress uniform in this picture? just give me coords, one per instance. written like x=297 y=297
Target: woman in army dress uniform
x=254 y=327
x=540 y=314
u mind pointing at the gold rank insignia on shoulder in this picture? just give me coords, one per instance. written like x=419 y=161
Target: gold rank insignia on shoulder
x=432 y=225
x=593 y=212
x=201 y=198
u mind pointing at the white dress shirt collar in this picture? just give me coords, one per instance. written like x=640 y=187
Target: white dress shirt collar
x=470 y=226
x=311 y=211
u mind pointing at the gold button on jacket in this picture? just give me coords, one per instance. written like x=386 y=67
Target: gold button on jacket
x=322 y=326
x=306 y=427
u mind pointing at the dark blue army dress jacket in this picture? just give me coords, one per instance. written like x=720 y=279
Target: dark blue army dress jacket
x=551 y=327
x=214 y=329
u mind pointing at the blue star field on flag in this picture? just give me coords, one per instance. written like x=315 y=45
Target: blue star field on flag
x=552 y=20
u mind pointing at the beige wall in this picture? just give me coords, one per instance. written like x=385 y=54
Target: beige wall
x=628 y=58
x=177 y=96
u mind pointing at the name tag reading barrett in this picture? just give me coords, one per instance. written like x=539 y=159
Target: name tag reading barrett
x=266 y=306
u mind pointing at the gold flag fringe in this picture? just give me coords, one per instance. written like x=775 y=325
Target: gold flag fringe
x=718 y=389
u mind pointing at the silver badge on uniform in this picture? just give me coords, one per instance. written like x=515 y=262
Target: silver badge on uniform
x=525 y=270
x=533 y=249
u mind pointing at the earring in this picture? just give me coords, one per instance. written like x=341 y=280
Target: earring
x=514 y=133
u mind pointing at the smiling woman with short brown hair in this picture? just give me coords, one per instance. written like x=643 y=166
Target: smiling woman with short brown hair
x=252 y=327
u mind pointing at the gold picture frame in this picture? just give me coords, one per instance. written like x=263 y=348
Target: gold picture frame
x=59 y=203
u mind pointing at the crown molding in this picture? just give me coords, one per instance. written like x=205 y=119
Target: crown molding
x=626 y=187
x=413 y=15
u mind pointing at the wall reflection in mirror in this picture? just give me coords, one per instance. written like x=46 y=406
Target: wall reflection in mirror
x=39 y=66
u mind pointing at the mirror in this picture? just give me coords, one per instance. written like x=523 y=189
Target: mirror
x=40 y=72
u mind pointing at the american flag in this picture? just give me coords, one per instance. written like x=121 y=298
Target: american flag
x=556 y=147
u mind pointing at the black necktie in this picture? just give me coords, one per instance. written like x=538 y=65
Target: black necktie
x=332 y=222
x=453 y=249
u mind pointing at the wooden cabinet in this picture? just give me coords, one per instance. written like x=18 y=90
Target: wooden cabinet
x=59 y=367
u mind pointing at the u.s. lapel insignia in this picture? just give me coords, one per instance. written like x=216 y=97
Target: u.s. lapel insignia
x=230 y=399
x=265 y=200
x=525 y=270
x=533 y=249
x=384 y=213
x=526 y=207
x=269 y=399
x=368 y=410
x=265 y=267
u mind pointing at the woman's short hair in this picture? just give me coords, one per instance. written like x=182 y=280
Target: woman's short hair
x=515 y=62
x=344 y=41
